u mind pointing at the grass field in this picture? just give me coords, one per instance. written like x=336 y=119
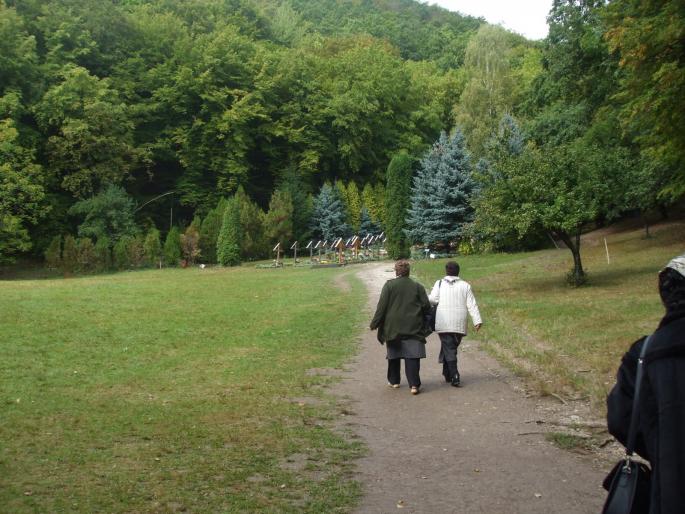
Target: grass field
x=569 y=341
x=188 y=390
x=175 y=390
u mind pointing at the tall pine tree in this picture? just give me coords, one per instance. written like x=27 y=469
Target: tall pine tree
x=441 y=194
x=328 y=219
x=228 y=242
x=397 y=202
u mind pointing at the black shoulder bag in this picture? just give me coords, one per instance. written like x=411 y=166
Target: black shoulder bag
x=430 y=317
x=629 y=482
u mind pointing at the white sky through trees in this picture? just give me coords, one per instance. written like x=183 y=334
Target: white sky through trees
x=527 y=17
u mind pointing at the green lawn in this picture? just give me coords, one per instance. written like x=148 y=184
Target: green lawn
x=173 y=390
x=569 y=341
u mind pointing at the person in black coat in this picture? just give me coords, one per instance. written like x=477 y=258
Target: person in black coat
x=661 y=422
x=400 y=320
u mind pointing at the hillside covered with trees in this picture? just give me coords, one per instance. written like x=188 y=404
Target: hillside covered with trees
x=141 y=123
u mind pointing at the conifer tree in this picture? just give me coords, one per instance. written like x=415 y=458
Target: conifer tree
x=328 y=219
x=366 y=224
x=153 y=248
x=441 y=194
x=380 y=215
x=354 y=206
x=279 y=219
x=228 y=243
x=209 y=232
x=253 y=243
x=299 y=191
x=369 y=201
x=397 y=201
x=172 y=247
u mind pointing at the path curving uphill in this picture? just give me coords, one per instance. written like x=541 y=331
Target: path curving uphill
x=456 y=450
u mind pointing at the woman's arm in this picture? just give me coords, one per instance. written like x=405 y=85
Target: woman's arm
x=472 y=307
x=435 y=293
x=380 y=308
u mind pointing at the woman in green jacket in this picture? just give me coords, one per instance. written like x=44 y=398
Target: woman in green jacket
x=399 y=318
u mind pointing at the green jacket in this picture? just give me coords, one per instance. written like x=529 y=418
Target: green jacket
x=401 y=310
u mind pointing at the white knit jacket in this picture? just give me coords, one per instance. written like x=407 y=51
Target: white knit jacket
x=454 y=298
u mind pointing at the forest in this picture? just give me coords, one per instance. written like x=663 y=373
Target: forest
x=142 y=131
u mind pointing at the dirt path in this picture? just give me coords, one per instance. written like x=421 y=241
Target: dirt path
x=448 y=450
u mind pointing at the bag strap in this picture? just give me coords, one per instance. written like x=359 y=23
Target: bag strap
x=632 y=431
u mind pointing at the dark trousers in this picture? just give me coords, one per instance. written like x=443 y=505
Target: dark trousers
x=449 y=343
x=411 y=369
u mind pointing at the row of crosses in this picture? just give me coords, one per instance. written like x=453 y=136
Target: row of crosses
x=355 y=243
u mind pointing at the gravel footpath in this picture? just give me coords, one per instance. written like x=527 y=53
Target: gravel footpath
x=457 y=450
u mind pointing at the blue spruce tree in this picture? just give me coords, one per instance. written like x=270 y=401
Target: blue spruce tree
x=366 y=225
x=441 y=193
x=328 y=218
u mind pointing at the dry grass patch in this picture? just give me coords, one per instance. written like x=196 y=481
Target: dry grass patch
x=569 y=341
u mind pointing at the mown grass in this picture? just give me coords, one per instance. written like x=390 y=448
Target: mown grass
x=569 y=341
x=175 y=390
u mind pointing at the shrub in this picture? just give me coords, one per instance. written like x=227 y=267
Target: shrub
x=136 y=251
x=190 y=244
x=120 y=253
x=103 y=254
x=53 y=254
x=69 y=255
x=86 y=254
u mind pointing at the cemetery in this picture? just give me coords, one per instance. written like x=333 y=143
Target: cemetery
x=338 y=253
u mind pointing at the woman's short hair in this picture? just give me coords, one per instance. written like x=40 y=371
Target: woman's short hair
x=452 y=269
x=402 y=268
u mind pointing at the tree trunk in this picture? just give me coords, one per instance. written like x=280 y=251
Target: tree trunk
x=577 y=275
x=646 y=222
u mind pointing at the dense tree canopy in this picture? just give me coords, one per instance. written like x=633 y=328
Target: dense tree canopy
x=181 y=104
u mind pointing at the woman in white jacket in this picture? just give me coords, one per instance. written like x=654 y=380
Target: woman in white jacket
x=454 y=299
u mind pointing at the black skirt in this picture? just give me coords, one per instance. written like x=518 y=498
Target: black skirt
x=406 y=349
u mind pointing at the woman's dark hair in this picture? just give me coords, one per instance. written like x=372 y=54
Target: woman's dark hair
x=452 y=269
x=402 y=268
x=672 y=289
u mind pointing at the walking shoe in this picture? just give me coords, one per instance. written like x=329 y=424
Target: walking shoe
x=394 y=386
x=456 y=382
x=414 y=390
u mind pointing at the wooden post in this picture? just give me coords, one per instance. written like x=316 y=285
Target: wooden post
x=355 y=247
x=294 y=247
x=277 y=249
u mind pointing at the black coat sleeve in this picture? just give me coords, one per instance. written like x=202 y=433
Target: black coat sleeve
x=620 y=399
x=381 y=308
